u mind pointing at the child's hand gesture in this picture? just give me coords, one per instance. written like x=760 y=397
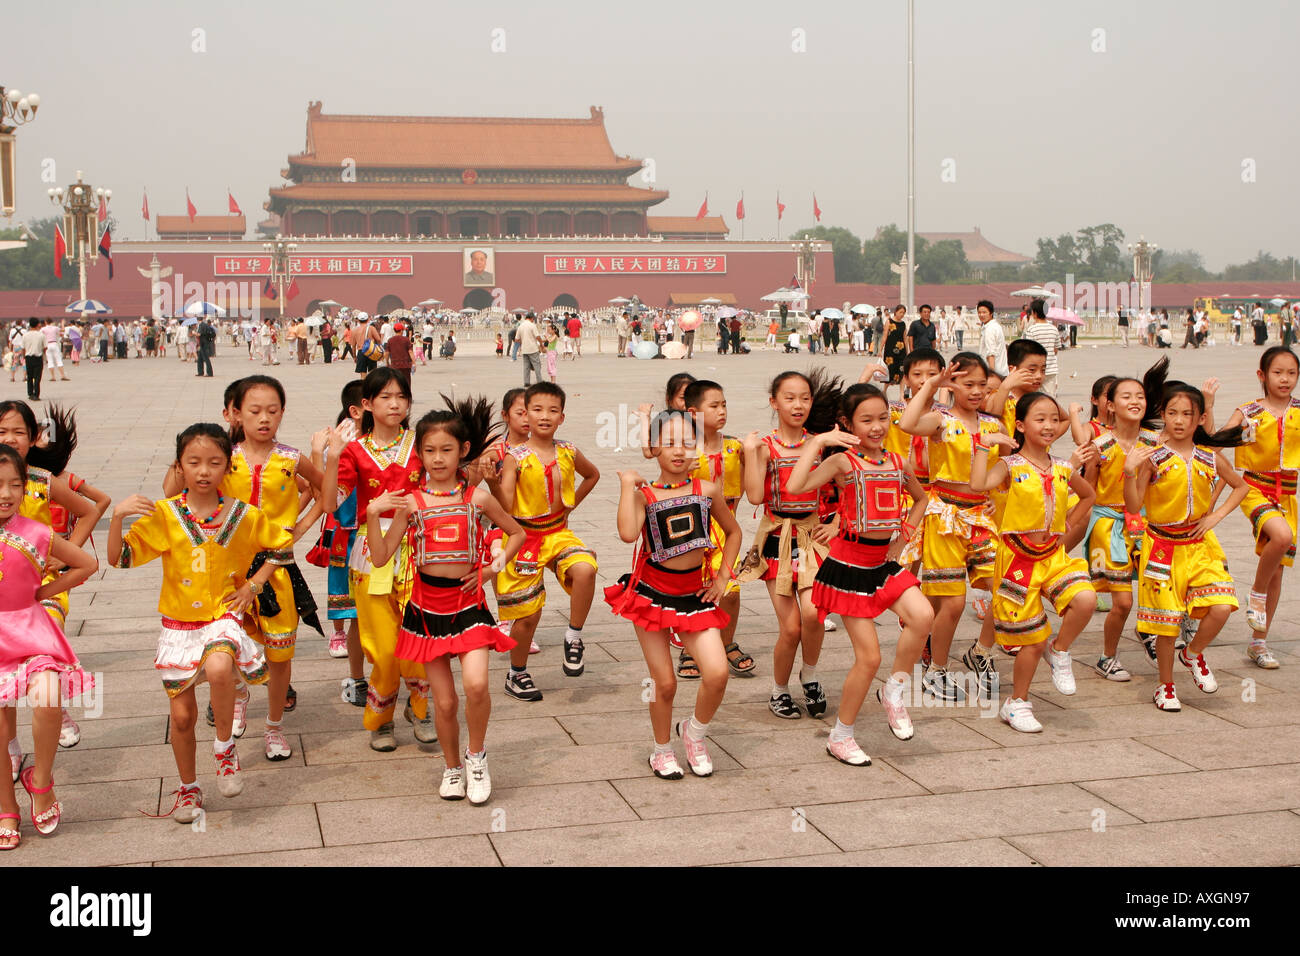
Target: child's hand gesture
x=319 y=440
x=134 y=505
x=1017 y=378
x=631 y=479
x=1084 y=454
x=1209 y=389
x=240 y=601
x=751 y=442
x=644 y=410
x=388 y=501
x=999 y=440
x=713 y=591
x=1076 y=410
x=1137 y=458
x=347 y=431
x=340 y=437
x=837 y=437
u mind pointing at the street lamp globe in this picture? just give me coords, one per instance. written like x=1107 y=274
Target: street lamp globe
x=14 y=96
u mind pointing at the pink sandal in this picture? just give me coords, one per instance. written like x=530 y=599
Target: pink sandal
x=6 y=833
x=55 y=811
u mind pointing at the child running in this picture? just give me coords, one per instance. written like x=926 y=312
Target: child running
x=1182 y=569
x=1032 y=561
x=36 y=662
x=861 y=577
x=673 y=586
x=791 y=540
x=537 y=488
x=206 y=541
x=447 y=614
x=1270 y=460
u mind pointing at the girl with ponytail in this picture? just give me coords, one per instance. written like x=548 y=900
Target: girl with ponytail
x=447 y=613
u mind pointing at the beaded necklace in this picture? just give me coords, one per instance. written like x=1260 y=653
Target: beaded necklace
x=883 y=460
x=455 y=492
x=781 y=441
x=369 y=442
x=670 y=485
x=205 y=522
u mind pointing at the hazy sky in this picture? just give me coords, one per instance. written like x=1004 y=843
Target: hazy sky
x=1045 y=134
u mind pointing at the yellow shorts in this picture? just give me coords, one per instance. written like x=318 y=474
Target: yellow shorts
x=1194 y=581
x=278 y=635
x=1019 y=617
x=716 y=542
x=1109 y=575
x=948 y=560
x=520 y=589
x=1259 y=509
x=56 y=607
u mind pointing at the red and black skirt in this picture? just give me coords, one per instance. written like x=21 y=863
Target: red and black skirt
x=856 y=580
x=661 y=599
x=441 y=618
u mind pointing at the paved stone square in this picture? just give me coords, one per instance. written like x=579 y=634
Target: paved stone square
x=1109 y=781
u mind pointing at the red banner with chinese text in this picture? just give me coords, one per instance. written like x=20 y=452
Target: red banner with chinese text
x=586 y=265
x=331 y=265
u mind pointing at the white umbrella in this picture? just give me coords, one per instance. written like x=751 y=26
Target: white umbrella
x=785 y=295
x=1277 y=301
x=205 y=308
x=469 y=311
x=190 y=321
x=619 y=300
x=863 y=309
x=832 y=314
x=430 y=302
x=331 y=303
x=1035 y=292
x=710 y=301
x=88 y=305
x=314 y=320
x=727 y=312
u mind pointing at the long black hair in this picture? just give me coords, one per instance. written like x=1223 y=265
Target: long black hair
x=209 y=430
x=471 y=420
x=375 y=383
x=826 y=392
x=61 y=428
x=854 y=396
x=1023 y=404
x=1160 y=392
x=241 y=389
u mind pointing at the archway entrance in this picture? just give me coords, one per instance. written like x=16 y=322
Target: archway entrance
x=477 y=299
x=565 y=301
x=389 y=303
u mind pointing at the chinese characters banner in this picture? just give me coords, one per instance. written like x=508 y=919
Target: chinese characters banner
x=339 y=265
x=622 y=265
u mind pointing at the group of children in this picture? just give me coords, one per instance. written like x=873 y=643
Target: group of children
x=867 y=506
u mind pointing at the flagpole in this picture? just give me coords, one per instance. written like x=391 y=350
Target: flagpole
x=742 y=221
x=911 y=160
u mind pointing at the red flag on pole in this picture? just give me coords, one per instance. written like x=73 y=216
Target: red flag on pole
x=102 y=214
x=234 y=206
x=794 y=282
x=60 y=250
x=292 y=291
x=740 y=208
x=190 y=210
x=704 y=208
x=780 y=207
x=268 y=290
x=144 y=208
x=817 y=210
x=106 y=249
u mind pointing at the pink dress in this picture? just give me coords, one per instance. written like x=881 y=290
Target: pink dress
x=30 y=641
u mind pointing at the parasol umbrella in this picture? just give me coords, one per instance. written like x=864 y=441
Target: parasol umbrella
x=190 y=321
x=430 y=302
x=88 y=305
x=312 y=321
x=1035 y=292
x=331 y=303
x=619 y=300
x=645 y=350
x=832 y=314
x=1063 y=316
x=785 y=295
x=710 y=301
x=1278 y=301
x=726 y=312
x=674 y=350
x=689 y=321
x=863 y=309
x=205 y=308
x=468 y=311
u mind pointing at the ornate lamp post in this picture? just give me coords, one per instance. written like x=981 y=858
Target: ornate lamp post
x=805 y=267
x=281 y=251
x=80 y=205
x=16 y=109
x=1142 y=254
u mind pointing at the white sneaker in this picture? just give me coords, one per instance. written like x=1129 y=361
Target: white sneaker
x=229 y=780
x=240 y=722
x=1062 y=672
x=1111 y=669
x=480 y=782
x=1262 y=656
x=697 y=755
x=848 y=751
x=1020 y=715
x=665 y=766
x=891 y=698
x=830 y=625
x=1166 y=698
x=277 y=747
x=69 y=732
x=1200 y=671
x=453 y=784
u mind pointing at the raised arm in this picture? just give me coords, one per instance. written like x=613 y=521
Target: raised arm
x=755 y=467
x=804 y=477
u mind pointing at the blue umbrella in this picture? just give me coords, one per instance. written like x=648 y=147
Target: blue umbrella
x=190 y=321
x=88 y=305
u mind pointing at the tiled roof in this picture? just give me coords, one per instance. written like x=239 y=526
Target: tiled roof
x=695 y=298
x=441 y=193
x=201 y=226
x=460 y=142
x=684 y=225
x=977 y=248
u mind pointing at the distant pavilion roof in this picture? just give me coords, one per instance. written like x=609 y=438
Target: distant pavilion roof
x=222 y=226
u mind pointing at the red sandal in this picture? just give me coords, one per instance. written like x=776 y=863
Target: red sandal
x=41 y=821
x=6 y=833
